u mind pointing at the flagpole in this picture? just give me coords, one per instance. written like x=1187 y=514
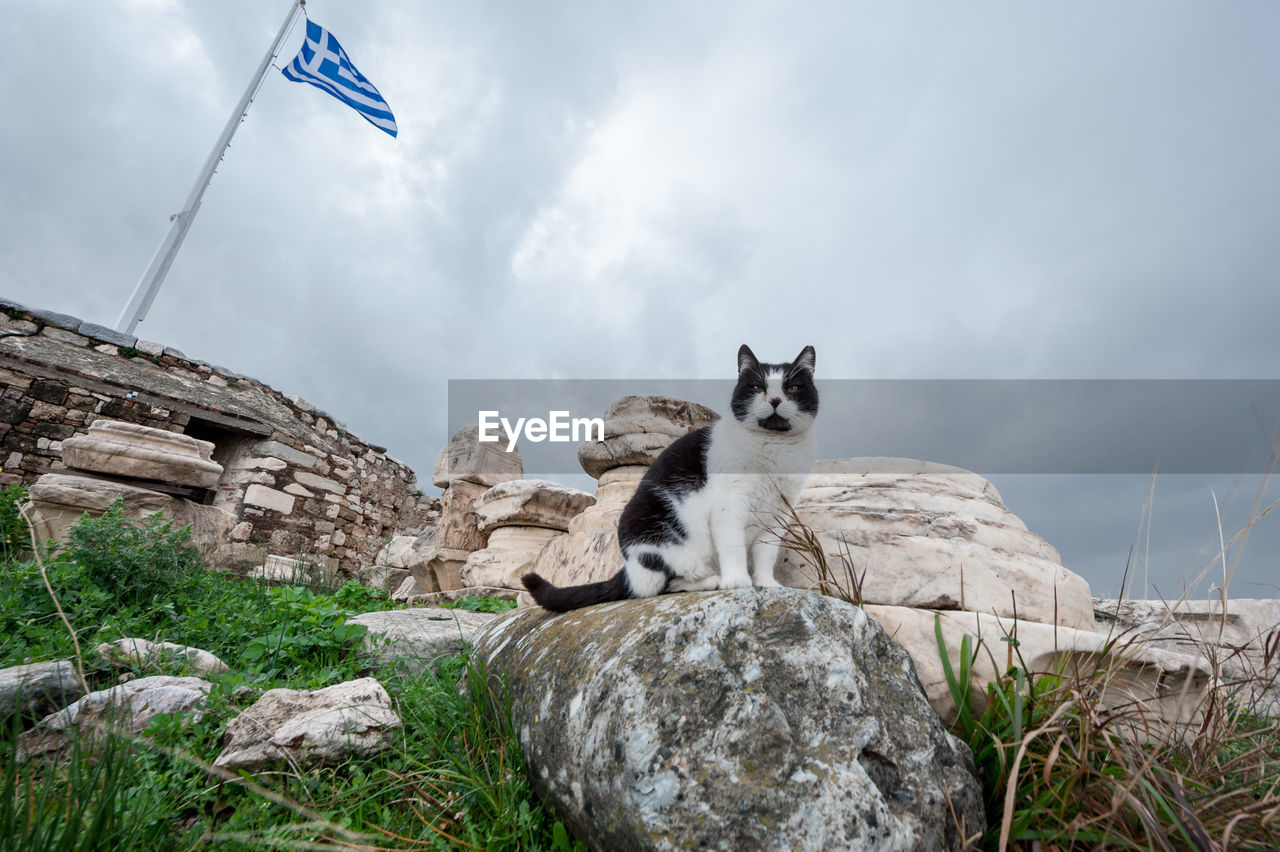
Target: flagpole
x=149 y=285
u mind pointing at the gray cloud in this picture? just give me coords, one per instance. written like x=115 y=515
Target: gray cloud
x=993 y=191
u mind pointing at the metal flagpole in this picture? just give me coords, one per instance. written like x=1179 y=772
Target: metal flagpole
x=145 y=292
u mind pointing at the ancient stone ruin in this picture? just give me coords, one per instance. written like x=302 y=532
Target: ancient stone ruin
x=295 y=483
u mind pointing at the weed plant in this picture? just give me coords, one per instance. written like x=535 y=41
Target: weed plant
x=453 y=777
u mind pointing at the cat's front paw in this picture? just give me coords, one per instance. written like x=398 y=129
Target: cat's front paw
x=735 y=582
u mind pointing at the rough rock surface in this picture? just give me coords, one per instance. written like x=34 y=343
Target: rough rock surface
x=1164 y=684
x=142 y=452
x=38 y=688
x=530 y=503
x=135 y=651
x=510 y=554
x=933 y=536
x=419 y=635
x=308 y=728
x=400 y=554
x=130 y=706
x=58 y=500
x=638 y=428
x=459 y=528
x=440 y=569
x=589 y=551
x=465 y=458
x=1237 y=633
x=754 y=719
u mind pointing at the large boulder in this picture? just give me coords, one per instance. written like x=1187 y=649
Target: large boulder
x=752 y=719
x=638 y=428
x=142 y=452
x=305 y=728
x=932 y=536
x=58 y=501
x=530 y=503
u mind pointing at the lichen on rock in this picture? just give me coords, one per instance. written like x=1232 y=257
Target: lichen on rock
x=753 y=719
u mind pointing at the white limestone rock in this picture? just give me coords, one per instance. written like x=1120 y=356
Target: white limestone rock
x=510 y=554
x=58 y=501
x=589 y=551
x=530 y=503
x=933 y=536
x=459 y=528
x=38 y=688
x=440 y=569
x=638 y=428
x=143 y=651
x=419 y=635
x=305 y=728
x=130 y=706
x=1167 y=686
x=142 y=452
x=466 y=458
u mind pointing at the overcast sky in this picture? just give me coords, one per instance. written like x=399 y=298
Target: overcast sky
x=630 y=191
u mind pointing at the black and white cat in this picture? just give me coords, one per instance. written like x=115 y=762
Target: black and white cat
x=702 y=516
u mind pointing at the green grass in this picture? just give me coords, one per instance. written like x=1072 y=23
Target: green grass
x=1065 y=768
x=453 y=778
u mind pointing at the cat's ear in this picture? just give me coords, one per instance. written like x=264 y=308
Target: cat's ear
x=746 y=360
x=805 y=360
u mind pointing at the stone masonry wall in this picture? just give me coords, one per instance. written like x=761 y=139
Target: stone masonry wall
x=299 y=483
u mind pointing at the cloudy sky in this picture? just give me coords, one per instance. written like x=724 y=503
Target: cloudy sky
x=630 y=191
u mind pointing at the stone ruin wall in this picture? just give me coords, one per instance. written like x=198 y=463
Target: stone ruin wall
x=297 y=482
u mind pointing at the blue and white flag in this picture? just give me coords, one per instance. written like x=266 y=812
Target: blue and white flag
x=324 y=64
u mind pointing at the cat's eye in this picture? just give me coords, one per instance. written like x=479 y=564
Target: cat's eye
x=759 y=388
x=791 y=388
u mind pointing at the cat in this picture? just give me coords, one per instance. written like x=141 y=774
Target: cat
x=701 y=518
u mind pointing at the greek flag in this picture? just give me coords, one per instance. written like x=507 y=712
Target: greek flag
x=324 y=64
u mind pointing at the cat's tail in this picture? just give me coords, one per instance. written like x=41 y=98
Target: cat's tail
x=563 y=599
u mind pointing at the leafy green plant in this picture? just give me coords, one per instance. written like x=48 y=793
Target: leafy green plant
x=14 y=538
x=134 y=560
x=307 y=630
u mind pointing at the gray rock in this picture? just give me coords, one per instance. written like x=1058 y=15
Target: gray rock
x=130 y=706
x=752 y=719
x=326 y=726
x=136 y=651
x=421 y=635
x=38 y=688
x=54 y=318
x=106 y=335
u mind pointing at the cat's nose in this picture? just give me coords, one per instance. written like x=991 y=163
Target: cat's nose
x=775 y=401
